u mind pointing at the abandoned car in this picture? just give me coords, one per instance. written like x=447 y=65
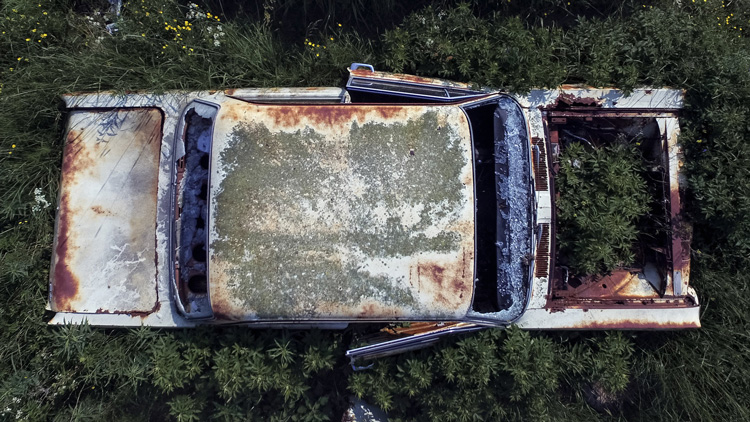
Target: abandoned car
x=395 y=199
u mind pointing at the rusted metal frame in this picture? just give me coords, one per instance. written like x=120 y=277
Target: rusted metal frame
x=680 y=244
x=607 y=303
x=179 y=137
x=174 y=186
x=548 y=113
x=448 y=98
x=548 y=139
x=584 y=112
x=310 y=95
x=643 y=318
x=605 y=98
x=362 y=73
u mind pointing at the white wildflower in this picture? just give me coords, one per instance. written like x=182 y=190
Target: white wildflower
x=216 y=43
x=218 y=27
x=16 y=400
x=41 y=201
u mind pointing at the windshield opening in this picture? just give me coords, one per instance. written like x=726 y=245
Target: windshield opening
x=503 y=215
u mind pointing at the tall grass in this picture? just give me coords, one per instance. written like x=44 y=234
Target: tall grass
x=78 y=372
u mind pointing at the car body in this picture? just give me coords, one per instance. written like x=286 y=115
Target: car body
x=397 y=199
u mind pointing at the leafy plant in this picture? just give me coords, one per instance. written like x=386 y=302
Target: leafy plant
x=602 y=195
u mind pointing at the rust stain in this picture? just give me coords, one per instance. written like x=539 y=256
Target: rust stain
x=361 y=72
x=402 y=77
x=65 y=284
x=368 y=310
x=625 y=324
x=570 y=100
x=330 y=115
x=620 y=284
x=140 y=314
x=419 y=327
x=284 y=116
x=446 y=280
x=98 y=209
x=231 y=112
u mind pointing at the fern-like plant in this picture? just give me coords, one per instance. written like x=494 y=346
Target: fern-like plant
x=602 y=196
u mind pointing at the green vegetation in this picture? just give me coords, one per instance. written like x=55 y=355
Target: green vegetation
x=603 y=196
x=80 y=373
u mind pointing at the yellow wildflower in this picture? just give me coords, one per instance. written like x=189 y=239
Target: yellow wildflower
x=13 y=146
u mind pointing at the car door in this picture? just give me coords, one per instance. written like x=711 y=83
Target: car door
x=410 y=336
x=367 y=85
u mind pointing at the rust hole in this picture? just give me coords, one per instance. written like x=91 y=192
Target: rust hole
x=604 y=286
x=198 y=284
x=199 y=253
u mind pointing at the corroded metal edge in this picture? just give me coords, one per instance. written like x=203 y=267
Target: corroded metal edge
x=680 y=309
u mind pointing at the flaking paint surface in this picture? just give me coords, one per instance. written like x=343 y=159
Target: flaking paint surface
x=105 y=248
x=341 y=212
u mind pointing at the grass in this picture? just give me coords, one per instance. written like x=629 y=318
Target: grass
x=81 y=373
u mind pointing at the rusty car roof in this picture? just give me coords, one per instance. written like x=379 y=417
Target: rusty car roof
x=348 y=211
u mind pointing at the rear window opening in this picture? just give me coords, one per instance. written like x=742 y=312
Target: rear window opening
x=191 y=258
